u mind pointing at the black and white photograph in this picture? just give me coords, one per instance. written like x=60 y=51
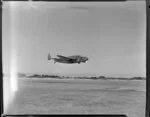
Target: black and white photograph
x=74 y=57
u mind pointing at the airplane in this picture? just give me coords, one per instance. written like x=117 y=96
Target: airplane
x=69 y=60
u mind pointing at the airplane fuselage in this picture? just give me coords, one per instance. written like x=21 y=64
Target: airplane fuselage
x=63 y=61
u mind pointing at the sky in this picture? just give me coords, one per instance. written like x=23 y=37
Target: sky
x=111 y=34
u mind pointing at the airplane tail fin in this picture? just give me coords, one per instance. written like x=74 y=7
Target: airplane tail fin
x=49 y=56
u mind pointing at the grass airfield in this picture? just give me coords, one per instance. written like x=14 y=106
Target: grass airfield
x=78 y=96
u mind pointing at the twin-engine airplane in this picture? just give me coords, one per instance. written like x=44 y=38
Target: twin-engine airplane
x=69 y=60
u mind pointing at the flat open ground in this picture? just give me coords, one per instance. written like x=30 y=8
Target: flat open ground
x=49 y=96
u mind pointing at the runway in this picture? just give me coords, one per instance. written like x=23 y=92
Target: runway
x=76 y=96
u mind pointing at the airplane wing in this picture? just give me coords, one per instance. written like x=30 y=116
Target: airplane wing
x=66 y=58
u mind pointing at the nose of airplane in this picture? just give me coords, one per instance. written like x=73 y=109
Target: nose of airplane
x=86 y=59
